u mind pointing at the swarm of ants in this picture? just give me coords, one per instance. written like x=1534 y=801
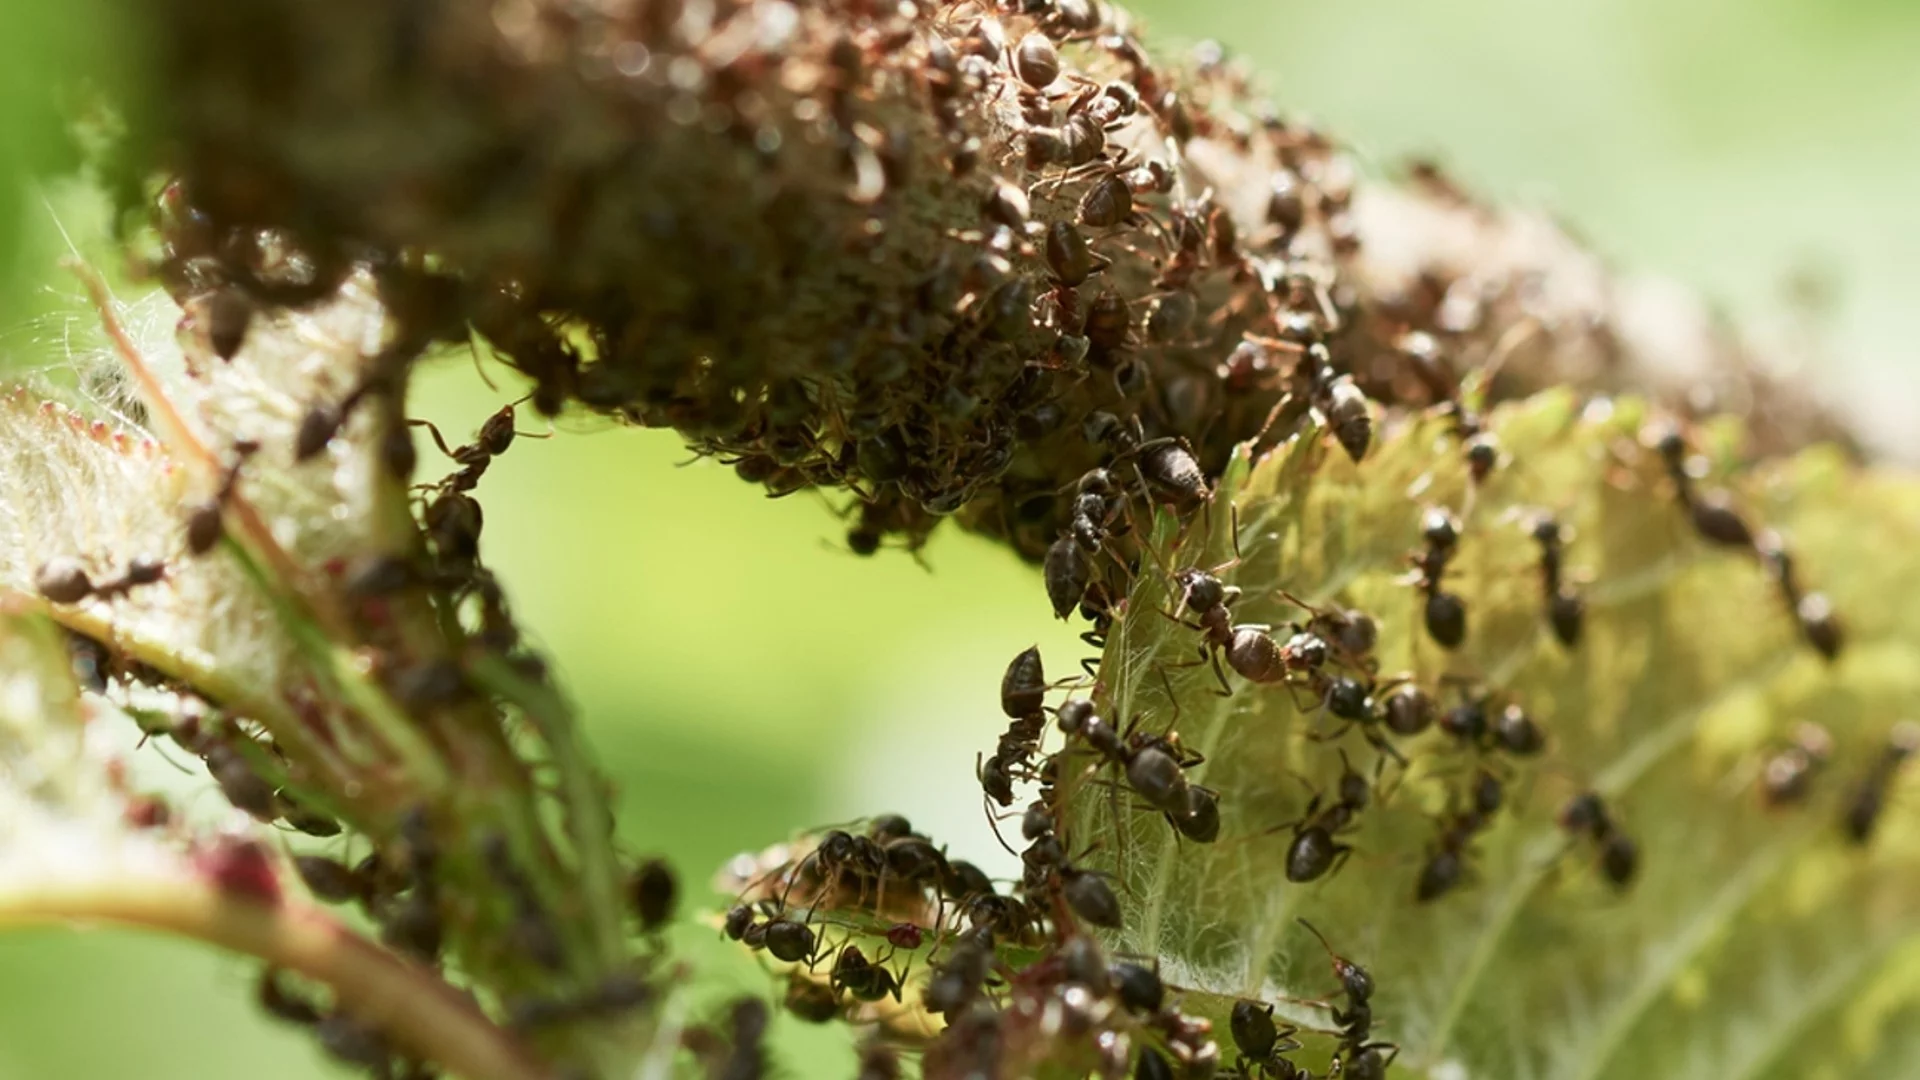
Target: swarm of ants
x=977 y=260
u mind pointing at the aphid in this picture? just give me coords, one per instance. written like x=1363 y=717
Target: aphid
x=1445 y=614
x=1869 y=797
x=239 y=867
x=1407 y=710
x=651 y=891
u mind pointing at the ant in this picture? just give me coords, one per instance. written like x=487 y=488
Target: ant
x=1168 y=470
x=651 y=892
x=1023 y=692
x=1586 y=814
x=1870 y=795
x=494 y=438
x=864 y=979
x=1313 y=852
x=1813 y=612
x=1566 y=611
x=1155 y=767
x=1358 y=1055
x=1446 y=856
x=1260 y=1042
x=1068 y=567
x=63 y=580
x=1713 y=515
x=1445 y=613
x=1787 y=774
x=204 y=519
x=1070 y=262
x=1085 y=892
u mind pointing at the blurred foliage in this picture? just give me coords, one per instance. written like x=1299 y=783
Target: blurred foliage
x=743 y=675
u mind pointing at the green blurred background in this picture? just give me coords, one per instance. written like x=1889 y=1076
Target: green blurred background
x=743 y=676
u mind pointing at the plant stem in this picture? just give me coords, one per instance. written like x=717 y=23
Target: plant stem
x=411 y=1004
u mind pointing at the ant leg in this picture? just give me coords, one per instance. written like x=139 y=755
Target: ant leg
x=433 y=431
x=1226 y=690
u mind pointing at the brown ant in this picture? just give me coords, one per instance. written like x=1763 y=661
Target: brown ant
x=204 y=519
x=494 y=438
x=63 y=580
x=1870 y=794
x=1445 y=613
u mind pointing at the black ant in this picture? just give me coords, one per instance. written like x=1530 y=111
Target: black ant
x=63 y=580
x=1167 y=467
x=1585 y=814
x=1445 y=613
x=1447 y=856
x=1358 y=1055
x=1023 y=692
x=1566 y=611
x=1069 y=564
x=651 y=892
x=1085 y=892
x=1870 y=795
x=1713 y=515
x=1314 y=852
x=1813 y=612
x=866 y=980
x=1155 y=768
x=1787 y=773
x=1260 y=1042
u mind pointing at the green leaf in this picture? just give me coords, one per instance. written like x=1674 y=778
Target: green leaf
x=1753 y=942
